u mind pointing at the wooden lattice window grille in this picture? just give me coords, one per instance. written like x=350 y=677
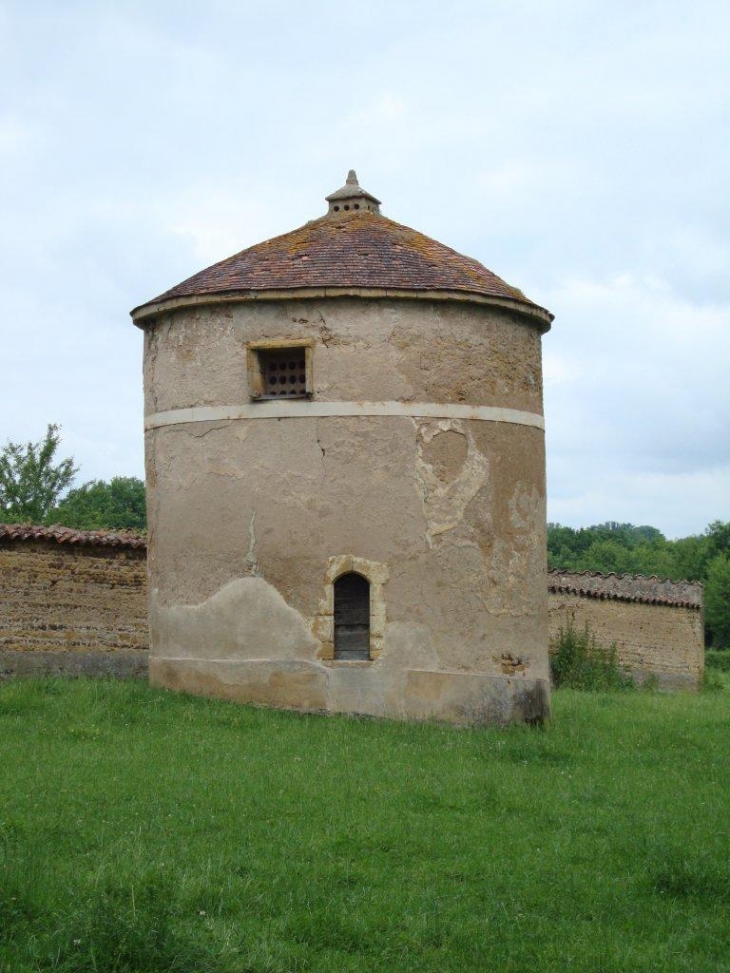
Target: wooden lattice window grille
x=280 y=372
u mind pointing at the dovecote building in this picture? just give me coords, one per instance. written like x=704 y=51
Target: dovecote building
x=346 y=477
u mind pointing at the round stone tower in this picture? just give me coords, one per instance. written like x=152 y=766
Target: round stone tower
x=346 y=477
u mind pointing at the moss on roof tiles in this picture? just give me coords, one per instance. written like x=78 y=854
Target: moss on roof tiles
x=357 y=250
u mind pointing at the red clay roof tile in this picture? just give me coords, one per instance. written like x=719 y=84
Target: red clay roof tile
x=68 y=535
x=356 y=250
x=626 y=587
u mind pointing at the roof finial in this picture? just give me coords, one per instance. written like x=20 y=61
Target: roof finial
x=352 y=198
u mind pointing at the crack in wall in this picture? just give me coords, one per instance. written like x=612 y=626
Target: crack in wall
x=326 y=334
x=321 y=448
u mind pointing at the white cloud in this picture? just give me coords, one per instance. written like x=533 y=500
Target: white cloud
x=386 y=108
x=639 y=413
x=679 y=504
x=576 y=149
x=694 y=251
x=512 y=178
x=218 y=221
x=559 y=369
x=16 y=137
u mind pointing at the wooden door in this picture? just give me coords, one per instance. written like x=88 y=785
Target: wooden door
x=352 y=617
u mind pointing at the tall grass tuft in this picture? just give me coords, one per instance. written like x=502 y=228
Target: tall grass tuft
x=128 y=928
x=579 y=661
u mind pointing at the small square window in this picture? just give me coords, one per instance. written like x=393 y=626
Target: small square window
x=280 y=370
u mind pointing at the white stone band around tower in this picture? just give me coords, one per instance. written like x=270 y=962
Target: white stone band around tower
x=303 y=409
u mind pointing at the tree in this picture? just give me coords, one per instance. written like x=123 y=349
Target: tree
x=692 y=555
x=31 y=480
x=118 y=504
x=606 y=556
x=717 y=601
x=627 y=549
x=718 y=534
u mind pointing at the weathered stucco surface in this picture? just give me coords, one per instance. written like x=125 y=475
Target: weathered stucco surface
x=247 y=517
x=378 y=350
x=71 y=609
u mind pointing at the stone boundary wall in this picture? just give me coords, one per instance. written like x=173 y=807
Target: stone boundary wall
x=657 y=625
x=72 y=602
x=75 y=602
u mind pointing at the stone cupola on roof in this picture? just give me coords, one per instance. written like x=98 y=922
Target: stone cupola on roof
x=351 y=251
x=352 y=197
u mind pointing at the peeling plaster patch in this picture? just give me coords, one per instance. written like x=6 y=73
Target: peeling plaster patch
x=446 y=454
x=246 y=619
x=510 y=664
x=449 y=476
x=525 y=510
x=151 y=339
x=508 y=593
x=251 y=552
x=516 y=565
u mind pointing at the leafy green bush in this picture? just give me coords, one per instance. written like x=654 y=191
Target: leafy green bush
x=579 y=661
x=718 y=659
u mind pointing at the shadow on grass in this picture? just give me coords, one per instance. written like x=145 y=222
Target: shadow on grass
x=681 y=874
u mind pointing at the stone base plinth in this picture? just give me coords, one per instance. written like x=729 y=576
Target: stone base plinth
x=361 y=688
x=120 y=664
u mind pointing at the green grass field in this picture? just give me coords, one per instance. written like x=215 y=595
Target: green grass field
x=143 y=831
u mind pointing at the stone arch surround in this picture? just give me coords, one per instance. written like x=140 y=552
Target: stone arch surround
x=323 y=627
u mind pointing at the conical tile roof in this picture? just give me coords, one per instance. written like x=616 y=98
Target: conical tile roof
x=356 y=251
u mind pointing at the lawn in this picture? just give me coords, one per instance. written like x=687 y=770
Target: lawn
x=144 y=831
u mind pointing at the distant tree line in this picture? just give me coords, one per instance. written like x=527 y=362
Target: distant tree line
x=626 y=549
x=36 y=487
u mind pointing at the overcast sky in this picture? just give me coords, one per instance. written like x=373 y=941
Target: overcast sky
x=578 y=149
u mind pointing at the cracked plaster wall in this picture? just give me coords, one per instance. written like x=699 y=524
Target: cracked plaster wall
x=383 y=349
x=245 y=516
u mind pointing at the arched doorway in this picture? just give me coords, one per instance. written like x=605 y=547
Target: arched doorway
x=352 y=617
